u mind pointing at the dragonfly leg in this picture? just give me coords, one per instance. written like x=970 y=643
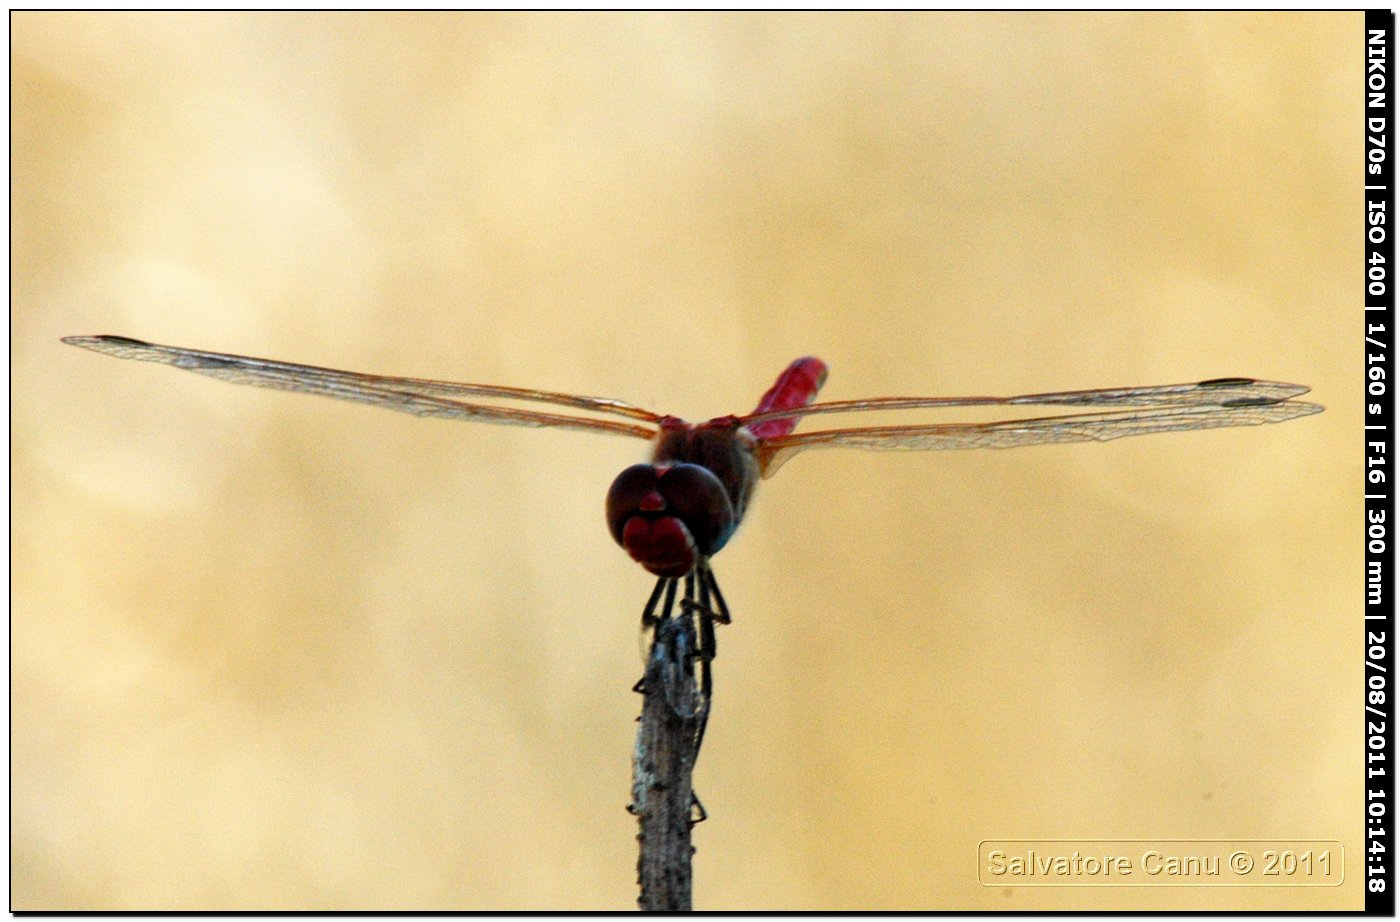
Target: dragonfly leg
x=721 y=609
x=705 y=653
x=709 y=612
x=707 y=647
x=697 y=811
x=684 y=640
x=649 y=612
x=650 y=618
x=709 y=587
x=703 y=629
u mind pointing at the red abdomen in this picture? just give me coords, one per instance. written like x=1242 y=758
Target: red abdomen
x=795 y=387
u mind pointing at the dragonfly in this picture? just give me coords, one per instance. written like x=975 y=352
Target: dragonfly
x=673 y=513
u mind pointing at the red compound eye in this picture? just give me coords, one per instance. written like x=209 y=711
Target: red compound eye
x=634 y=491
x=697 y=498
x=666 y=516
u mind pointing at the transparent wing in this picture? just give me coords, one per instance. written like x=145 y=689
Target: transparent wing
x=1215 y=392
x=1081 y=427
x=418 y=396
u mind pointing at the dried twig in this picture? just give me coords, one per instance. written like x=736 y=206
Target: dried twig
x=662 y=763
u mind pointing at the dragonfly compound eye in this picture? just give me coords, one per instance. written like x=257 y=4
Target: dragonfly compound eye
x=695 y=496
x=634 y=491
x=666 y=517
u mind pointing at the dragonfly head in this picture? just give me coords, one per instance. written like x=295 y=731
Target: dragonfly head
x=668 y=516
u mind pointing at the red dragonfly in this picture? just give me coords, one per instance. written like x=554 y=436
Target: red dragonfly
x=675 y=512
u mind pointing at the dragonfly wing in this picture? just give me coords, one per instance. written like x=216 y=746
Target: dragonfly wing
x=406 y=395
x=1215 y=392
x=1083 y=427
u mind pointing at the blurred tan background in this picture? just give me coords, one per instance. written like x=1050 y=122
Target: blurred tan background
x=271 y=651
